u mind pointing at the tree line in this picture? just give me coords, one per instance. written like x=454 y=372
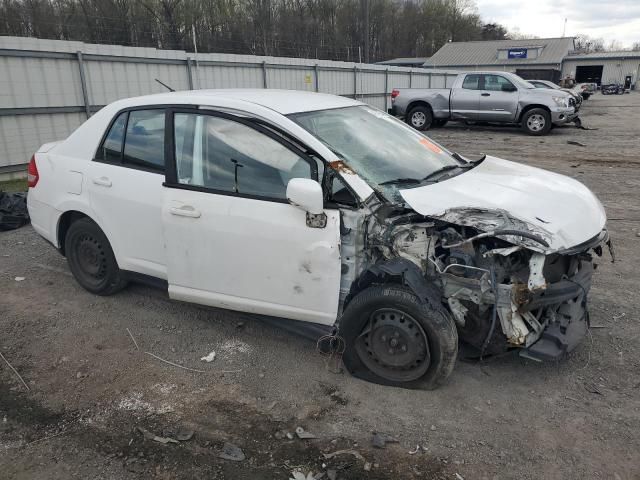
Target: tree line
x=351 y=30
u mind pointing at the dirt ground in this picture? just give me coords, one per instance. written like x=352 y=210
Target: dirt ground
x=90 y=388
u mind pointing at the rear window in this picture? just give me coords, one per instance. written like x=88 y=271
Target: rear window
x=136 y=138
x=471 y=82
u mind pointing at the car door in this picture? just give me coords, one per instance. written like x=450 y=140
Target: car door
x=125 y=189
x=498 y=99
x=232 y=238
x=465 y=101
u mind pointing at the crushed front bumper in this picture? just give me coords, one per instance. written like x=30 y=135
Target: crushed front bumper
x=562 y=308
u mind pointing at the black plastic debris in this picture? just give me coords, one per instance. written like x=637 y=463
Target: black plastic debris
x=13 y=210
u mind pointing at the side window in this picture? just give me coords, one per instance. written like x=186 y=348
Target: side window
x=144 y=140
x=341 y=194
x=494 y=83
x=471 y=82
x=228 y=156
x=111 y=149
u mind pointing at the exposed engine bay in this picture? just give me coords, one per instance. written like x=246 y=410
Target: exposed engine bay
x=502 y=284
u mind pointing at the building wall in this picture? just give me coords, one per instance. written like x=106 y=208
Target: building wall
x=614 y=70
x=49 y=87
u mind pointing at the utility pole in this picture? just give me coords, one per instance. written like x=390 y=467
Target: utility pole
x=195 y=50
x=366 y=31
x=564 y=29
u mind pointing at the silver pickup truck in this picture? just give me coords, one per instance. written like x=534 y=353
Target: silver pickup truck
x=493 y=97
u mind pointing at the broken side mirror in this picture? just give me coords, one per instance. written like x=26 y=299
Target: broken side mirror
x=306 y=194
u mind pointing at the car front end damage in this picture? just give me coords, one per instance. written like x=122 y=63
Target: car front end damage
x=502 y=283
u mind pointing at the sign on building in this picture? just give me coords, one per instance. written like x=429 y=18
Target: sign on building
x=517 y=53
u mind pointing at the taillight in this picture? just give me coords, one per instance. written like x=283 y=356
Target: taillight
x=32 y=173
x=394 y=93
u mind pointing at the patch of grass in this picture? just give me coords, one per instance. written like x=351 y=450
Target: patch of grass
x=16 y=185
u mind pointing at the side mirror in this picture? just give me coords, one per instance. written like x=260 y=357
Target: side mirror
x=508 y=88
x=306 y=194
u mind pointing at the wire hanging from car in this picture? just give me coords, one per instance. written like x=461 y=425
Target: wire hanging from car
x=332 y=347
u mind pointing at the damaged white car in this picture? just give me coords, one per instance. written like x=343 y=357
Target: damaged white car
x=320 y=208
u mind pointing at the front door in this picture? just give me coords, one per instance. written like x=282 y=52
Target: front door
x=498 y=99
x=233 y=240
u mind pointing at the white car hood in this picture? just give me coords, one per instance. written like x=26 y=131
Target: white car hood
x=560 y=209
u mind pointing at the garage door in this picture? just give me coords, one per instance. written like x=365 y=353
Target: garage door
x=589 y=74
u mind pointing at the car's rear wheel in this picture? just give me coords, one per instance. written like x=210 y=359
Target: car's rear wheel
x=394 y=338
x=91 y=258
x=536 y=121
x=420 y=117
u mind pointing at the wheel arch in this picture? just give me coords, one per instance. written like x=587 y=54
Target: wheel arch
x=418 y=103
x=531 y=107
x=68 y=217
x=398 y=271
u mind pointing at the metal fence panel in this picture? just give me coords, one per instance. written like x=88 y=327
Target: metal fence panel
x=49 y=87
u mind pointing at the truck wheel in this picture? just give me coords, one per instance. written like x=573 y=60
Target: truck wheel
x=91 y=258
x=394 y=338
x=420 y=117
x=536 y=121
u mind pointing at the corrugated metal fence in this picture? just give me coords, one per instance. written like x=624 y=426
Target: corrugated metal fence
x=49 y=87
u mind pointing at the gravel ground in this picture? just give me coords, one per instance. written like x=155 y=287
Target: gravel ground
x=90 y=388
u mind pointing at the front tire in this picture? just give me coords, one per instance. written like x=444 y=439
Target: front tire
x=91 y=258
x=394 y=338
x=420 y=117
x=536 y=121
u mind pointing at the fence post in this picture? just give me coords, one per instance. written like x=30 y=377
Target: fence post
x=445 y=80
x=410 y=78
x=429 y=79
x=355 y=82
x=83 y=84
x=189 y=73
x=386 y=89
x=264 y=75
x=317 y=79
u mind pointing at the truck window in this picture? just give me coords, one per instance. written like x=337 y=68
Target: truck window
x=494 y=83
x=471 y=82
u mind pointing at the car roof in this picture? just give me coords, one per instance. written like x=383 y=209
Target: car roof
x=281 y=101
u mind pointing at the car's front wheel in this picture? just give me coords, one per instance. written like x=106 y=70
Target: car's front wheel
x=91 y=258
x=536 y=121
x=394 y=338
x=420 y=117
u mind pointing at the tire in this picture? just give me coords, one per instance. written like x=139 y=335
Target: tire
x=536 y=121
x=425 y=336
x=439 y=122
x=420 y=117
x=91 y=258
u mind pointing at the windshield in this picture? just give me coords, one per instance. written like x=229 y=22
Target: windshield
x=382 y=150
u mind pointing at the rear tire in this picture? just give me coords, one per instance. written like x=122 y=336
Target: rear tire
x=394 y=338
x=91 y=258
x=420 y=117
x=536 y=121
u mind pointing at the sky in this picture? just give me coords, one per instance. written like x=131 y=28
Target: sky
x=611 y=20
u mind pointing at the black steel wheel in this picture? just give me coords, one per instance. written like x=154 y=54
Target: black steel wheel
x=91 y=258
x=394 y=338
x=394 y=346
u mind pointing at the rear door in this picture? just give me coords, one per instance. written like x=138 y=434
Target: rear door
x=465 y=101
x=125 y=189
x=497 y=104
x=232 y=238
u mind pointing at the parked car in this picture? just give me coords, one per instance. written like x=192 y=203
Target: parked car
x=495 y=97
x=320 y=208
x=612 y=89
x=577 y=95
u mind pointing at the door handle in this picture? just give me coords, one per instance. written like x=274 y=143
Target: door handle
x=485 y=94
x=104 y=181
x=185 y=211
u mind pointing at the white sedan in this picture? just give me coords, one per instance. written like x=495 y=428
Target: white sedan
x=320 y=208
